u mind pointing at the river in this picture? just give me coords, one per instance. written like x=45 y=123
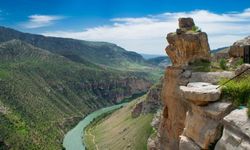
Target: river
x=73 y=140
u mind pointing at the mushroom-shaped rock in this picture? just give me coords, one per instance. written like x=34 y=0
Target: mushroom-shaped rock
x=201 y=93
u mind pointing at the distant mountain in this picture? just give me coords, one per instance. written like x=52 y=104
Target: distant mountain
x=101 y=53
x=47 y=84
x=160 y=61
x=220 y=50
x=150 y=56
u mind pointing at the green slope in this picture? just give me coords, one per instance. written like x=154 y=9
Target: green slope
x=119 y=130
x=44 y=94
x=101 y=53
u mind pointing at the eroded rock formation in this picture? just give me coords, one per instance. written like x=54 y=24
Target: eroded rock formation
x=237 y=49
x=193 y=109
x=186 y=45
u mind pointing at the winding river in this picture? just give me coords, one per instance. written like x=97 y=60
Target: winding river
x=73 y=140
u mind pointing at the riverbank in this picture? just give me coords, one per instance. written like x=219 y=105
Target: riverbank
x=128 y=132
x=73 y=139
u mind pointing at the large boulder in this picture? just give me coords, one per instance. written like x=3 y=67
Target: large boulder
x=187 y=47
x=237 y=49
x=200 y=93
x=236 y=133
x=186 y=23
x=203 y=124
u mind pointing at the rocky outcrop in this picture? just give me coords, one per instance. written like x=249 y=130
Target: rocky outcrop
x=236 y=134
x=243 y=69
x=237 y=49
x=152 y=101
x=203 y=124
x=192 y=106
x=187 y=46
x=137 y=110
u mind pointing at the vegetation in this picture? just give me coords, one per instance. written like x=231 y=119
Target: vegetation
x=238 y=91
x=201 y=66
x=223 y=64
x=46 y=93
x=128 y=132
x=196 y=29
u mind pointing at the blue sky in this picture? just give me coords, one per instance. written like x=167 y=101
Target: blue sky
x=137 y=25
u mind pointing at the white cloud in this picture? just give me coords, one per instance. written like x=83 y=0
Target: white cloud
x=38 y=21
x=147 y=34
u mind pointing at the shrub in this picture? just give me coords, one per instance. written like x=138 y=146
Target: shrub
x=196 y=29
x=223 y=63
x=238 y=91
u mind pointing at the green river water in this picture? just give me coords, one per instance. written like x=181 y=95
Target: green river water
x=73 y=140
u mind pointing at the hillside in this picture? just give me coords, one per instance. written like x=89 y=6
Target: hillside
x=100 y=53
x=42 y=94
x=119 y=130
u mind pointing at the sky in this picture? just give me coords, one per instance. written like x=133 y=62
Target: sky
x=136 y=25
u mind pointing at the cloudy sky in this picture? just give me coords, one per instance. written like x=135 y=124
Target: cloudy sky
x=139 y=26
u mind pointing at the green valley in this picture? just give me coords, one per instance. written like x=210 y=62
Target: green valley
x=45 y=92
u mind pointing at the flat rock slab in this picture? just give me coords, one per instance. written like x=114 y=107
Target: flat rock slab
x=236 y=134
x=201 y=93
x=239 y=120
x=210 y=77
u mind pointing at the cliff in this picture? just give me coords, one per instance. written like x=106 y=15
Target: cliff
x=195 y=114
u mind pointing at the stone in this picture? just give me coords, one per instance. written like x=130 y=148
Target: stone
x=236 y=133
x=202 y=130
x=216 y=110
x=174 y=110
x=187 y=47
x=242 y=68
x=137 y=110
x=203 y=123
x=187 y=144
x=153 y=99
x=237 y=49
x=186 y=23
x=200 y=93
x=210 y=77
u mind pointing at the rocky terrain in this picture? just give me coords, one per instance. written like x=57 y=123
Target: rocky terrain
x=195 y=115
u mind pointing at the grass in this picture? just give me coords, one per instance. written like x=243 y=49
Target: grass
x=201 y=66
x=238 y=91
x=43 y=91
x=119 y=130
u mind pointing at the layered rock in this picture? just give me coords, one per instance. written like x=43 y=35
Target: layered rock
x=200 y=93
x=237 y=49
x=236 y=133
x=192 y=112
x=203 y=125
x=188 y=46
x=152 y=101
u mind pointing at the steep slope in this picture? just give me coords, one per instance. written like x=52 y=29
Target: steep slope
x=120 y=130
x=42 y=94
x=130 y=126
x=101 y=53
